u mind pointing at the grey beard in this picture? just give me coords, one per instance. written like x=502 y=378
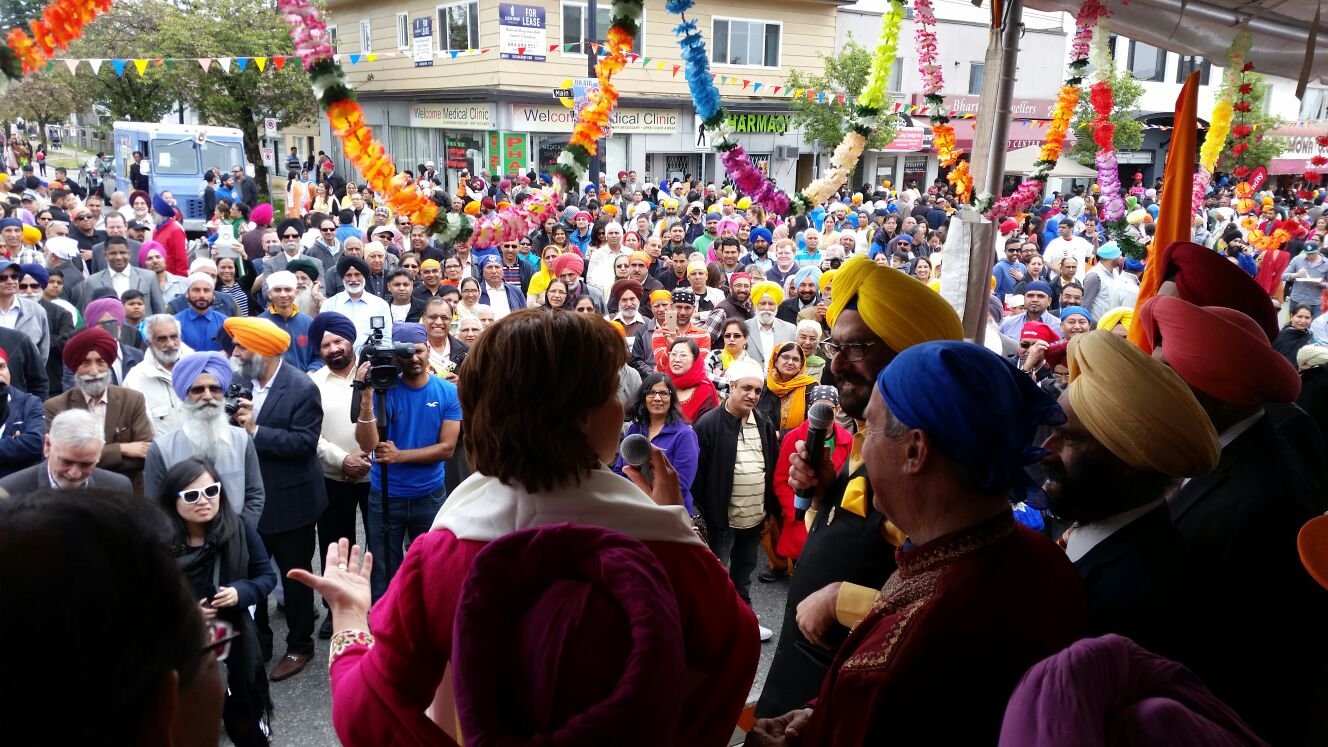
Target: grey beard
x=93 y=387
x=166 y=358
x=206 y=427
x=304 y=300
x=248 y=370
x=766 y=317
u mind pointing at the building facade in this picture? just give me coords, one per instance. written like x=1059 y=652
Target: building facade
x=483 y=86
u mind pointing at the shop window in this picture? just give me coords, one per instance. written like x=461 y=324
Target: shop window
x=1147 y=63
x=403 y=31
x=896 y=83
x=574 y=26
x=1314 y=104
x=740 y=42
x=1189 y=64
x=366 y=36
x=975 y=71
x=459 y=26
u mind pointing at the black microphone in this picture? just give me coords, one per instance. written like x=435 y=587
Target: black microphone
x=636 y=450
x=820 y=416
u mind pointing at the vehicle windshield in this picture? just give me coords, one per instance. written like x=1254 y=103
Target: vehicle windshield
x=223 y=155
x=174 y=156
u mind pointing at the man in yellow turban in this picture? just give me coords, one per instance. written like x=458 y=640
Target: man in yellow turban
x=284 y=416
x=874 y=314
x=1132 y=431
x=766 y=331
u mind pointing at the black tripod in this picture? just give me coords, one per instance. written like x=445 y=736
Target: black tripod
x=381 y=396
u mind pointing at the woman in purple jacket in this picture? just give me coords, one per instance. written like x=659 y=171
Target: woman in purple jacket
x=655 y=414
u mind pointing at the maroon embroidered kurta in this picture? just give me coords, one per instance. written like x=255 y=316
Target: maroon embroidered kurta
x=948 y=639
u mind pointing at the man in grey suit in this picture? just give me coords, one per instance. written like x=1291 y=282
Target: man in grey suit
x=765 y=330
x=120 y=276
x=116 y=226
x=73 y=448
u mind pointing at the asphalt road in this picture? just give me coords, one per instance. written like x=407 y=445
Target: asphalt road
x=303 y=709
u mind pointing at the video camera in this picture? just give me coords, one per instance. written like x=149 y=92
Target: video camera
x=382 y=356
x=235 y=393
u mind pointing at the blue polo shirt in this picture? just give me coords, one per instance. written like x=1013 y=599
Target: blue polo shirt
x=414 y=419
x=200 y=331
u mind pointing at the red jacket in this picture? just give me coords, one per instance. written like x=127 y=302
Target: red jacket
x=170 y=235
x=794 y=533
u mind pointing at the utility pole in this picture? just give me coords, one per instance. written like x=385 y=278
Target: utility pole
x=590 y=34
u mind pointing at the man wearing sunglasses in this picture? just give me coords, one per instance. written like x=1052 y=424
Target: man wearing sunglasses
x=21 y=314
x=73 y=448
x=200 y=380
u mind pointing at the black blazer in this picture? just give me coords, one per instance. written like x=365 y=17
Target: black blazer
x=287 y=444
x=1140 y=585
x=27 y=371
x=717 y=434
x=1239 y=523
x=36 y=478
x=61 y=323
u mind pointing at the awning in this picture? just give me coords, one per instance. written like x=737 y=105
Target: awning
x=1021 y=162
x=1297 y=166
x=1280 y=30
x=1023 y=132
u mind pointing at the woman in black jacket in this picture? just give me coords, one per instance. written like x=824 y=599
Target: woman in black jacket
x=1296 y=334
x=228 y=571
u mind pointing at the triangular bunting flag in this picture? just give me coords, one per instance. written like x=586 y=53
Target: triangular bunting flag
x=119 y=66
x=72 y=65
x=261 y=62
x=372 y=56
x=225 y=63
x=141 y=66
x=279 y=61
x=756 y=87
x=95 y=63
x=746 y=83
x=676 y=68
x=659 y=65
x=159 y=62
x=553 y=47
x=777 y=90
x=355 y=59
x=521 y=50
x=50 y=65
x=453 y=53
x=206 y=63
x=818 y=97
x=634 y=57
x=483 y=51
x=242 y=63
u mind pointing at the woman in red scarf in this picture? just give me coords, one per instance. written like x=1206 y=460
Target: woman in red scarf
x=696 y=394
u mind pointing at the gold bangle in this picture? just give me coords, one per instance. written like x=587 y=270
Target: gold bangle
x=366 y=422
x=343 y=640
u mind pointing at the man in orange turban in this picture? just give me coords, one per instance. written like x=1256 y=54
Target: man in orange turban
x=1239 y=522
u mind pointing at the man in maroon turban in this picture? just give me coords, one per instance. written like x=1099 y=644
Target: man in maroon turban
x=89 y=354
x=1205 y=278
x=1239 y=522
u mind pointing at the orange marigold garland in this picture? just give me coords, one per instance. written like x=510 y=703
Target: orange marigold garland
x=61 y=23
x=593 y=121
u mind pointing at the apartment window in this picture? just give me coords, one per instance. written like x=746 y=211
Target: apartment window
x=975 y=70
x=459 y=26
x=738 y=41
x=1147 y=62
x=574 y=26
x=366 y=37
x=1189 y=64
x=403 y=31
x=332 y=36
x=896 y=83
x=1314 y=104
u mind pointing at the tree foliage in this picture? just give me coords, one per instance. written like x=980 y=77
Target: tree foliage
x=825 y=122
x=40 y=98
x=1262 y=149
x=19 y=12
x=157 y=30
x=1129 y=131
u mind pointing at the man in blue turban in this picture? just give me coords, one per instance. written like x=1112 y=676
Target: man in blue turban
x=805 y=292
x=949 y=430
x=202 y=380
x=330 y=321
x=1037 y=303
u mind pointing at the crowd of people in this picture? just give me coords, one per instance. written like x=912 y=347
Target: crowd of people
x=282 y=380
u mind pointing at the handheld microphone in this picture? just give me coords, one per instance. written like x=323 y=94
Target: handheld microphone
x=636 y=450
x=820 y=417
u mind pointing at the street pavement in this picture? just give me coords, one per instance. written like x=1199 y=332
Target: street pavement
x=303 y=718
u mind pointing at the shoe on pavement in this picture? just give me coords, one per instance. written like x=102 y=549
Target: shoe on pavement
x=766 y=633
x=325 y=630
x=291 y=665
x=770 y=575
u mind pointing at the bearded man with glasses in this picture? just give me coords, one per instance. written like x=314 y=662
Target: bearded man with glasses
x=200 y=380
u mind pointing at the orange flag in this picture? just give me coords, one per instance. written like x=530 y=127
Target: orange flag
x=1174 y=216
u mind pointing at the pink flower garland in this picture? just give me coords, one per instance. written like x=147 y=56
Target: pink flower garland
x=1109 y=187
x=752 y=182
x=933 y=78
x=312 y=41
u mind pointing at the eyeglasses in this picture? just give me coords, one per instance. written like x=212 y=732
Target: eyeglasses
x=220 y=634
x=290 y=236
x=83 y=217
x=853 y=351
x=29 y=286
x=657 y=395
x=9 y=277
x=327 y=230
x=207 y=491
x=734 y=336
x=204 y=389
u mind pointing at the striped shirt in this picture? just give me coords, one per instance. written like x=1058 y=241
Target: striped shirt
x=747 y=505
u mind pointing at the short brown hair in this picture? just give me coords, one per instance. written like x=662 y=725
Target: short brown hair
x=526 y=383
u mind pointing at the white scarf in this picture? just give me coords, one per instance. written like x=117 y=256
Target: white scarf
x=482 y=508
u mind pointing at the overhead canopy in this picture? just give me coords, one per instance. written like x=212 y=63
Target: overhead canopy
x=1281 y=37
x=1021 y=162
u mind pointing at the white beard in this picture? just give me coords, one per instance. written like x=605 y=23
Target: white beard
x=354 y=290
x=304 y=300
x=766 y=318
x=93 y=387
x=206 y=427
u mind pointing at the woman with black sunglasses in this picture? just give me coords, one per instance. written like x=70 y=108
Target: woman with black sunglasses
x=228 y=570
